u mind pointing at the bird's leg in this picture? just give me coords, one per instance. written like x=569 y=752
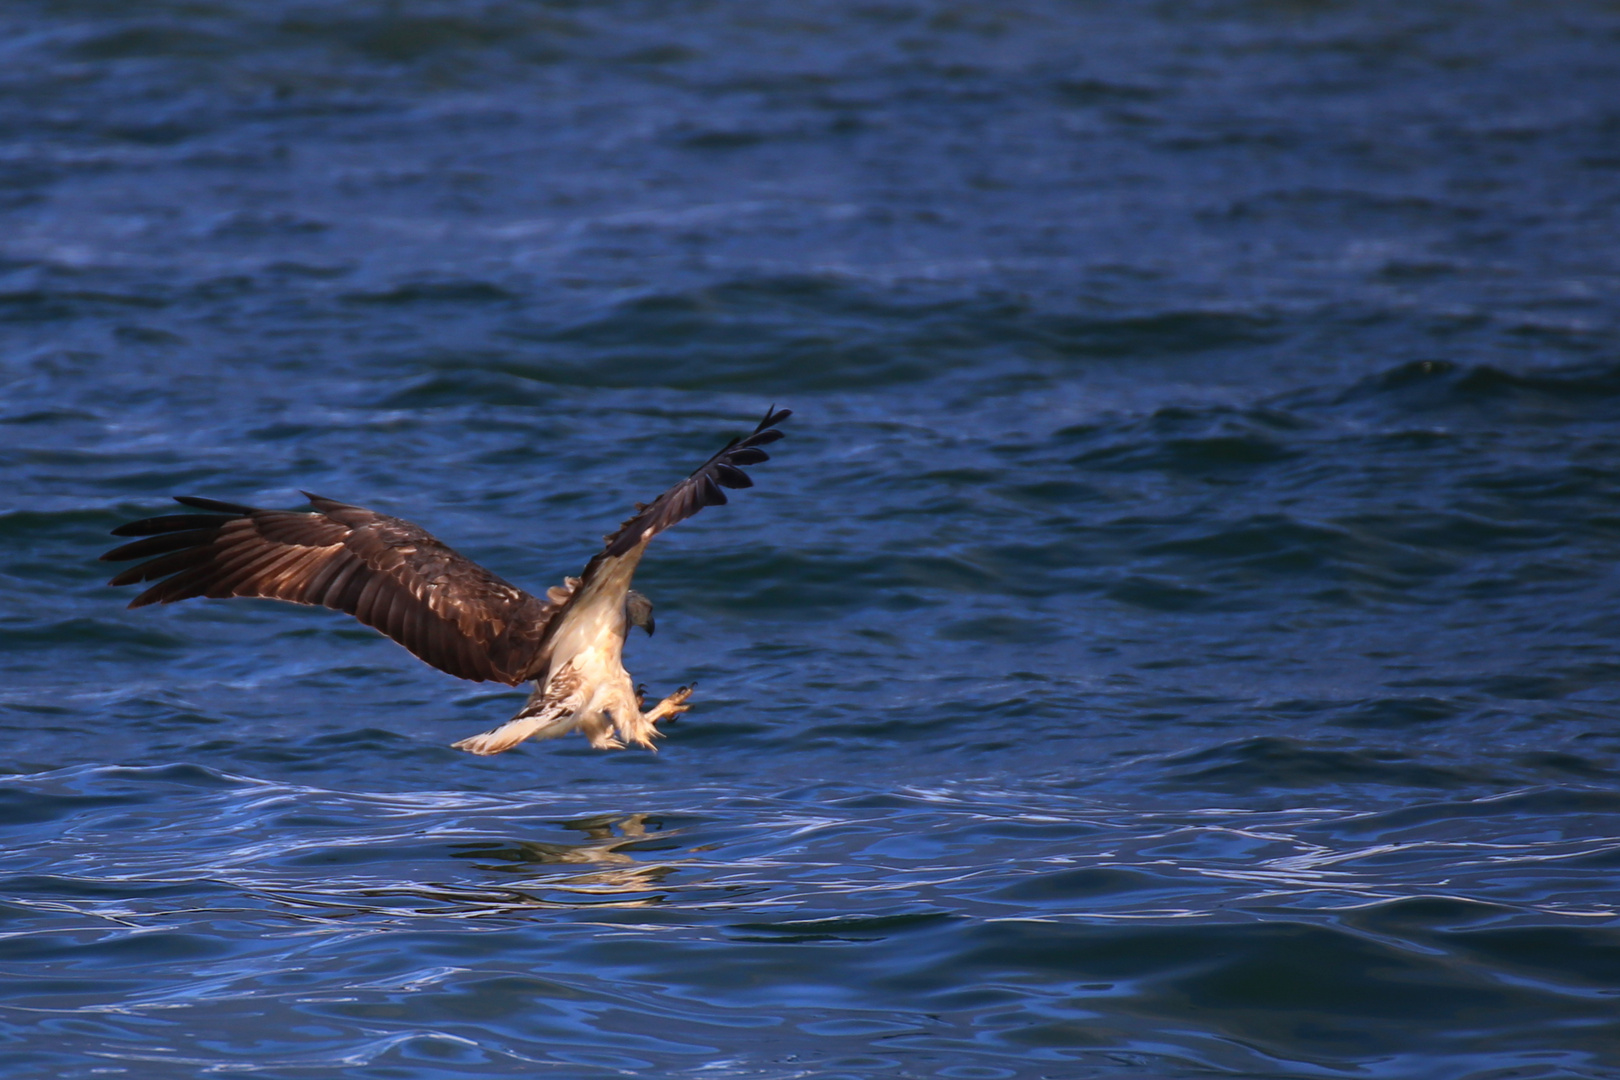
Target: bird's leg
x=670 y=707
x=635 y=726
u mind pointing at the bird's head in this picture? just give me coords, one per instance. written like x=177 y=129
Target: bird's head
x=638 y=610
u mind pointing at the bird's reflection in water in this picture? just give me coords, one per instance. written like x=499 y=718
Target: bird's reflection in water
x=608 y=845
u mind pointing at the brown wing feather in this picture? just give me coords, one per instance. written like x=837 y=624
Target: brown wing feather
x=388 y=573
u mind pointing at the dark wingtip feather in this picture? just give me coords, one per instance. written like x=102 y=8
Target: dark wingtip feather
x=212 y=504
x=730 y=476
x=165 y=542
x=169 y=523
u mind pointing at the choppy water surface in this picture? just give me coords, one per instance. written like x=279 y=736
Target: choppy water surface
x=1179 y=636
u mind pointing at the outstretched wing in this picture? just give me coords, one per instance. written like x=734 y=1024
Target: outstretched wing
x=602 y=586
x=702 y=488
x=388 y=573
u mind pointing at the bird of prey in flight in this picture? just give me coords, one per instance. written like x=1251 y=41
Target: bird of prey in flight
x=446 y=609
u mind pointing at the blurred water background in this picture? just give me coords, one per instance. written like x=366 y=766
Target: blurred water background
x=1177 y=638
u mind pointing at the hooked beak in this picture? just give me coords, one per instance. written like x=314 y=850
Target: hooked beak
x=649 y=627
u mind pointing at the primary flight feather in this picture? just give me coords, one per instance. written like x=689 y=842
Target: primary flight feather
x=446 y=609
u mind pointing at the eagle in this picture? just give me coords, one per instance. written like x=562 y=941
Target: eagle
x=446 y=609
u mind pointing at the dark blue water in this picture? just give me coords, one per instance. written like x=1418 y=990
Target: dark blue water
x=1179 y=637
